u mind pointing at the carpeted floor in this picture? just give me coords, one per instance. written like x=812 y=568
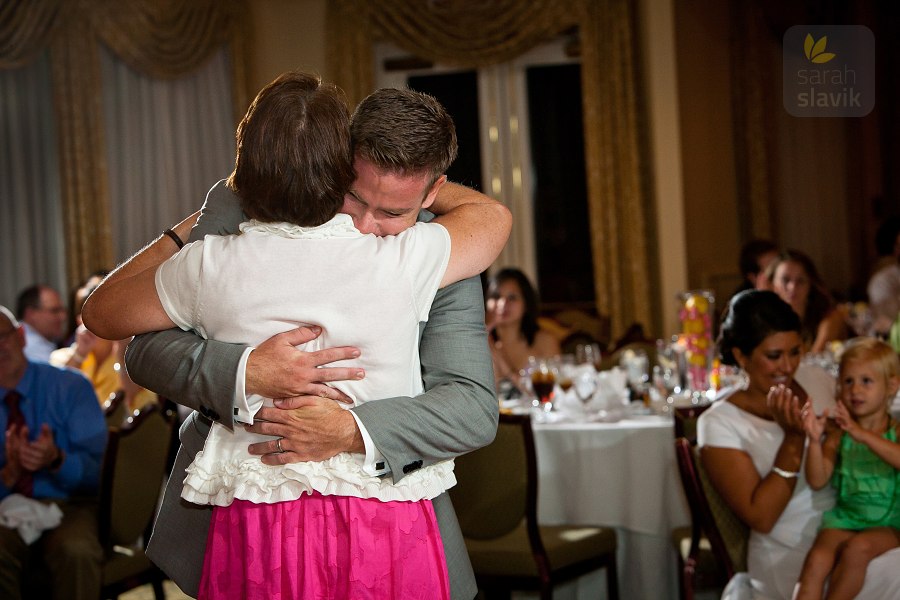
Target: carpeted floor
x=146 y=593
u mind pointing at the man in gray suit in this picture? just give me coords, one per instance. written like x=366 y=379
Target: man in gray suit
x=456 y=414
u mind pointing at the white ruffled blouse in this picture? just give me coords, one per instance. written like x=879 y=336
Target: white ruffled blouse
x=380 y=289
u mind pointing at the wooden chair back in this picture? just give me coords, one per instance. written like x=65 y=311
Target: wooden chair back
x=133 y=472
x=686 y=420
x=710 y=516
x=496 y=486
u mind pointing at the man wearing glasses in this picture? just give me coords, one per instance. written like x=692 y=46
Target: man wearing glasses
x=55 y=436
x=41 y=311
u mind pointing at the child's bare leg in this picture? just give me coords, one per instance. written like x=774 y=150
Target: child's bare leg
x=818 y=564
x=850 y=572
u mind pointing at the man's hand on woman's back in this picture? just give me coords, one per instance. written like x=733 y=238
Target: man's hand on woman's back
x=277 y=369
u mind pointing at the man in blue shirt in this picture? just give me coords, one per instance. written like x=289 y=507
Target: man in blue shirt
x=41 y=312
x=55 y=438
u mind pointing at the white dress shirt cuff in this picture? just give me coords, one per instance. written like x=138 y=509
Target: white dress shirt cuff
x=375 y=464
x=245 y=408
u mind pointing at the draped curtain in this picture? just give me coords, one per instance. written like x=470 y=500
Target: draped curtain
x=784 y=177
x=31 y=229
x=477 y=34
x=752 y=91
x=160 y=38
x=167 y=141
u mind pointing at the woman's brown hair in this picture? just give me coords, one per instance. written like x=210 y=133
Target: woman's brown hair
x=293 y=159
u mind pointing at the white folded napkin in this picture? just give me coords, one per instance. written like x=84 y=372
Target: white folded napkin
x=575 y=403
x=612 y=391
x=29 y=516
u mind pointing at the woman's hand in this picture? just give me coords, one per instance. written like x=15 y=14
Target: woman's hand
x=784 y=406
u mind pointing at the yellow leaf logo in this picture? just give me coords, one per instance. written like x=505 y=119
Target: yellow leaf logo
x=815 y=51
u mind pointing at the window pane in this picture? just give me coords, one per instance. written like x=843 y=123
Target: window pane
x=562 y=233
x=458 y=92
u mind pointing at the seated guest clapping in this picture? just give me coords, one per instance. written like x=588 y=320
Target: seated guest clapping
x=55 y=437
x=752 y=445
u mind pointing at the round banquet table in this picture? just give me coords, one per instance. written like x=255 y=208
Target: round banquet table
x=621 y=475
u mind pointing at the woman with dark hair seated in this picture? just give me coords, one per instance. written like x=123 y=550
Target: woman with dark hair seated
x=752 y=446
x=794 y=277
x=511 y=314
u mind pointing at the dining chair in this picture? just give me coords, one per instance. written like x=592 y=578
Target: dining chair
x=115 y=408
x=131 y=481
x=718 y=539
x=496 y=503
x=615 y=357
x=685 y=419
x=584 y=326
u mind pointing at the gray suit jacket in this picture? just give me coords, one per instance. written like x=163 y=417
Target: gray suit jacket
x=456 y=414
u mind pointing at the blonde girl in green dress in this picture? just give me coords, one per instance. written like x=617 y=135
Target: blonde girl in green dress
x=859 y=454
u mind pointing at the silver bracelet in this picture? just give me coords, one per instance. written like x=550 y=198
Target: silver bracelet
x=785 y=474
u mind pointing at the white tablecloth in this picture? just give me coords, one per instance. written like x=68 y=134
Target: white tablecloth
x=621 y=475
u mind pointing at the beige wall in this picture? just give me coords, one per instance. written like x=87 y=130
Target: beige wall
x=285 y=35
x=707 y=155
x=657 y=35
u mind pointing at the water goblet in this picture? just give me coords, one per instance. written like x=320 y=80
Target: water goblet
x=636 y=365
x=585 y=386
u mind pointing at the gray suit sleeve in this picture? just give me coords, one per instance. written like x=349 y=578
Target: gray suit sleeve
x=180 y=365
x=459 y=410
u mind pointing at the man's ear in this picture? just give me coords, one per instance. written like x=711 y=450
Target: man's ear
x=433 y=192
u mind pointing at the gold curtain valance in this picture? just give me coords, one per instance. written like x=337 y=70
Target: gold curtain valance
x=161 y=39
x=165 y=39
x=453 y=32
x=26 y=28
x=461 y=32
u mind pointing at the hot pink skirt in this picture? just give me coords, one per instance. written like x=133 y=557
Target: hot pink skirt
x=324 y=547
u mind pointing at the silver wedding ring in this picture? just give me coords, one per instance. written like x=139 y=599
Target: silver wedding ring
x=278 y=445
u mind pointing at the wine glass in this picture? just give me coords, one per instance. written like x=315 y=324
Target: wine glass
x=543 y=380
x=567 y=369
x=588 y=354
